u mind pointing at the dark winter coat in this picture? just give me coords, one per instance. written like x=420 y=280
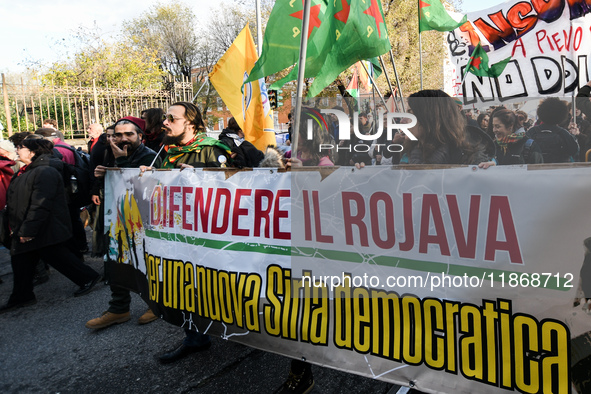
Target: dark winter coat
x=37 y=206
x=556 y=143
x=247 y=155
x=519 y=153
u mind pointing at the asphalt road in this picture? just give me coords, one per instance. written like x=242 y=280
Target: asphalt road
x=45 y=348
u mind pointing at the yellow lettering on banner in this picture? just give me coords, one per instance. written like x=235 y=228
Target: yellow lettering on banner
x=434 y=344
x=471 y=346
x=251 y=307
x=451 y=310
x=189 y=288
x=290 y=319
x=505 y=346
x=558 y=360
x=166 y=281
x=178 y=280
x=525 y=329
x=342 y=315
x=338 y=34
x=272 y=312
x=225 y=297
x=296 y=31
x=237 y=296
x=361 y=319
x=412 y=352
x=369 y=31
x=153 y=268
x=490 y=318
x=212 y=294
x=314 y=312
x=386 y=333
x=201 y=275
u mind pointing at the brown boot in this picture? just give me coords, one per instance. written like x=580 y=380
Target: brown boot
x=108 y=319
x=147 y=317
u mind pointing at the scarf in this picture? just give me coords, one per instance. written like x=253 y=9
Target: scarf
x=175 y=152
x=508 y=140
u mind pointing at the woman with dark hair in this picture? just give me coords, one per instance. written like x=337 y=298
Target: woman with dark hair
x=483 y=120
x=154 y=118
x=308 y=150
x=442 y=134
x=36 y=203
x=512 y=147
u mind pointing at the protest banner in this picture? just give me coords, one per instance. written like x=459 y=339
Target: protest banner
x=549 y=43
x=446 y=279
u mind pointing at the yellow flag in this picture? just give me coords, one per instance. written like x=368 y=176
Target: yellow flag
x=249 y=106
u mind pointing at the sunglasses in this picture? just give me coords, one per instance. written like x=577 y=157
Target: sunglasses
x=169 y=117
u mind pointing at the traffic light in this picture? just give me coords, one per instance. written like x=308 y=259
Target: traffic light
x=278 y=98
x=272 y=94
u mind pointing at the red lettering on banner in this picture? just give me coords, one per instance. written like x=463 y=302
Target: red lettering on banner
x=432 y=209
x=349 y=220
x=172 y=207
x=557 y=41
x=466 y=243
x=278 y=214
x=202 y=209
x=156 y=206
x=500 y=209
x=409 y=234
x=317 y=224
x=239 y=212
x=389 y=220
x=186 y=208
x=540 y=35
x=518 y=43
x=307 y=213
x=260 y=213
x=225 y=211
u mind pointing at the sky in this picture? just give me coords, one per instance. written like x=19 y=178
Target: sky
x=41 y=30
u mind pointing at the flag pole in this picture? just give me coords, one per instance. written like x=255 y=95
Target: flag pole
x=259 y=29
x=397 y=80
x=388 y=79
x=420 y=45
x=375 y=86
x=301 y=70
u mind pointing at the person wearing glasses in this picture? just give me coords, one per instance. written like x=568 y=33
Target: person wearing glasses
x=36 y=202
x=187 y=146
x=127 y=151
x=185 y=141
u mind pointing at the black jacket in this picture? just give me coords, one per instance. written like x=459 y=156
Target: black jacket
x=519 y=152
x=37 y=206
x=247 y=155
x=556 y=143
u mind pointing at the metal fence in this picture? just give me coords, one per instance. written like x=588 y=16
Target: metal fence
x=76 y=107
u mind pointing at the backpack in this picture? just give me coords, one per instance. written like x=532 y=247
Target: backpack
x=550 y=143
x=526 y=149
x=77 y=177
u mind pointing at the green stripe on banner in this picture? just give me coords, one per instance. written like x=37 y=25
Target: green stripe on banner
x=501 y=276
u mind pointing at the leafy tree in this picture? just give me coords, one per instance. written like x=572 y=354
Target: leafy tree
x=169 y=30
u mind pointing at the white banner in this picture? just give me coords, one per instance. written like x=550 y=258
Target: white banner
x=453 y=280
x=549 y=43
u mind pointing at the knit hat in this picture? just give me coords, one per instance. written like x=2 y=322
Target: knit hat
x=136 y=121
x=7 y=146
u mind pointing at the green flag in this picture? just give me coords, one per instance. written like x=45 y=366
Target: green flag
x=340 y=34
x=434 y=16
x=478 y=64
x=281 y=43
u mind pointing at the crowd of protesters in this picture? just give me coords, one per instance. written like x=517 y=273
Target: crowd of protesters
x=36 y=187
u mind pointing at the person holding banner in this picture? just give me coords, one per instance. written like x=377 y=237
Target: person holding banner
x=442 y=134
x=36 y=202
x=187 y=146
x=512 y=146
x=126 y=151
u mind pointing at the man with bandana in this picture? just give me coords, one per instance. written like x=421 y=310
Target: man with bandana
x=187 y=146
